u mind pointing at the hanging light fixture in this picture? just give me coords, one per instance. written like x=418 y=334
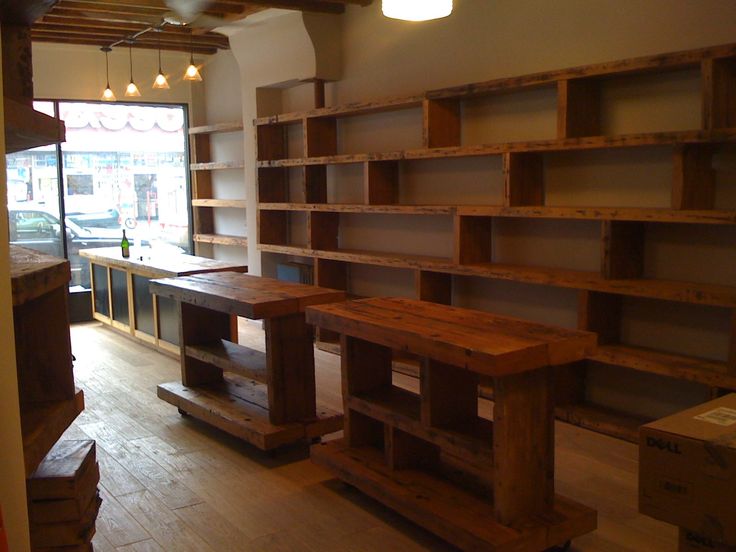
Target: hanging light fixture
x=416 y=10
x=132 y=89
x=192 y=73
x=160 y=81
x=107 y=94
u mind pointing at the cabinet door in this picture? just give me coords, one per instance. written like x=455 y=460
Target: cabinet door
x=101 y=289
x=143 y=301
x=119 y=280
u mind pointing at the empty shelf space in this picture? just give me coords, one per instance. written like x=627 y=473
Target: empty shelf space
x=699 y=370
x=232 y=126
x=221 y=239
x=362 y=208
x=228 y=203
x=232 y=357
x=216 y=165
x=472 y=440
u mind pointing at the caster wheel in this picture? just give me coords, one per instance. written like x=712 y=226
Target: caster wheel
x=560 y=547
x=183 y=412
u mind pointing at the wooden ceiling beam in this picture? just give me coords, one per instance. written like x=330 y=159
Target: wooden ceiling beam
x=317 y=6
x=215 y=7
x=44 y=36
x=149 y=38
x=85 y=25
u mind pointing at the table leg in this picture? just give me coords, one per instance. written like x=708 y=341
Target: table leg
x=290 y=364
x=198 y=326
x=523 y=445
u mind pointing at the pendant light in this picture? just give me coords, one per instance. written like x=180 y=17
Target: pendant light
x=132 y=89
x=160 y=81
x=416 y=10
x=192 y=73
x=107 y=95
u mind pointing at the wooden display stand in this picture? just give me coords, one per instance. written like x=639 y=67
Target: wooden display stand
x=121 y=299
x=266 y=399
x=479 y=485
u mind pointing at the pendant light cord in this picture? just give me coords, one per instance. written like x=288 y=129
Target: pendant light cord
x=130 y=53
x=107 y=69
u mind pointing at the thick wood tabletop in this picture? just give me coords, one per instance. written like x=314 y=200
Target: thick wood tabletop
x=249 y=296
x=32 y=273
x=159 y=265
x=485 y=343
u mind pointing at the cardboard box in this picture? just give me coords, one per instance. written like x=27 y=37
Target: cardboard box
x=687 y=470
x=690 y=541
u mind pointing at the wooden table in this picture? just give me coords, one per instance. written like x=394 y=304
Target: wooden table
x=478 y=484
x=267 y=399
x=120 y=296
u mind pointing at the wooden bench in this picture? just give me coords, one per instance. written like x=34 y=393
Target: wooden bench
x=478 y=484
x=266 y=399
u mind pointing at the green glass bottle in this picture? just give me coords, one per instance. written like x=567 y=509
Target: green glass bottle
x=125 y=246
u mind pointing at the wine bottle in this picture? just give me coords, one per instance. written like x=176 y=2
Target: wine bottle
x=125 y=246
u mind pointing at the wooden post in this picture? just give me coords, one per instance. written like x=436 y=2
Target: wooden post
x=473 y=239
x=380 y=182
x=693 y=183
x=441 y=126
x=622 y=249
x=578 y=108
x=449 y=395
x=290 y=364
x=719 y=93
x=523 y=445
x=365 y=367
x=523 y=179
x=200 y=325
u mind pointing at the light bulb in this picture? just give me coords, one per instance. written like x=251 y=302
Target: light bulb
x=416 y=10
x=132 y=90
x=160 y=81
x=192 y=73
x=108 y=95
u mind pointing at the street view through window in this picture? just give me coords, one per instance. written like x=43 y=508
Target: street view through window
x=123 y=167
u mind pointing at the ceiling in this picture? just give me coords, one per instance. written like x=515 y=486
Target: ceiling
x=148 y=22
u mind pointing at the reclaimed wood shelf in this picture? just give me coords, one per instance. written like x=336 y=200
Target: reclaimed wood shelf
x=232 y=126
x=478 y=484
x=120 y=296
x=26 y=128
x=221 y=239
x=223 y=203
x=267 y=399
x=624 y=231
x=216 y=165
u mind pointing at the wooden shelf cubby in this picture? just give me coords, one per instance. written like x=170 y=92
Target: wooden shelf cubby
x=203 y=201
x=310 y=207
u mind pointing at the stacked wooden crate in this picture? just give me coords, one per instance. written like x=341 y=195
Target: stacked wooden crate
x=63 y=500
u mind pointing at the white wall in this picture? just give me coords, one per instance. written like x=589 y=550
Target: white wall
x=491 y=39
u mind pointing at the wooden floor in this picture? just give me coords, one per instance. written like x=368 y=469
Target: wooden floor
x=172 y=484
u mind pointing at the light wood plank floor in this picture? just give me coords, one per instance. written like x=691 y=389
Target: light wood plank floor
x=173 y=484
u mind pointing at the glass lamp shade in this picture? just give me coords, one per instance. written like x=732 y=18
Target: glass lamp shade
x=108 y=95
x=132 y=90
x=192 y=73
x=160 y=81
x=416 y=10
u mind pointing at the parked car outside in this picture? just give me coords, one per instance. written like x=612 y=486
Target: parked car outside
x=109 y=218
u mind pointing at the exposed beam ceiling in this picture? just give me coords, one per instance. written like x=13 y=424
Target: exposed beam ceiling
x=108 y=22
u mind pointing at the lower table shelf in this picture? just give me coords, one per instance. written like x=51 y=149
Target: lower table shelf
x=239 y=406
x=453 y=513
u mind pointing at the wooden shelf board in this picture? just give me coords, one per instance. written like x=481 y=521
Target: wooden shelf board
x=707 y=372
x=345 y=110
x=228 y=203
x=656 y=63
x=217 y=165
x=232 y=357
x=232 y=126
x=568 y=144
x=602 y=420
x=240 y=407
x=400 y=408
x=687 y=292
x=26 y=128
x=454 y=514
x=361 y=208
x=221 y=239
x=33 y=274
x=603 y=213
x=43 y=424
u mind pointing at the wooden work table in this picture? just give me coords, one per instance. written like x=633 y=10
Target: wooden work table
x=120 y=295
x=266 y=399
x=480 y=485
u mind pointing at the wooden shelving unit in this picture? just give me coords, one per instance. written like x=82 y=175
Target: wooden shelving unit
x=203 y=202
x=479 y=484
x=622 y=230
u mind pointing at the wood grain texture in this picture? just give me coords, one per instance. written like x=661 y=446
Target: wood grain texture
x=473 y=240
x=32 y=274
x=622 y=249
x=380 y=182
x=232 y=126
x=523 y=175
x=718 y=77
x=578 y=108
x=433 y=286
x=319 y=137
x=441 y=125
x=693 y=184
